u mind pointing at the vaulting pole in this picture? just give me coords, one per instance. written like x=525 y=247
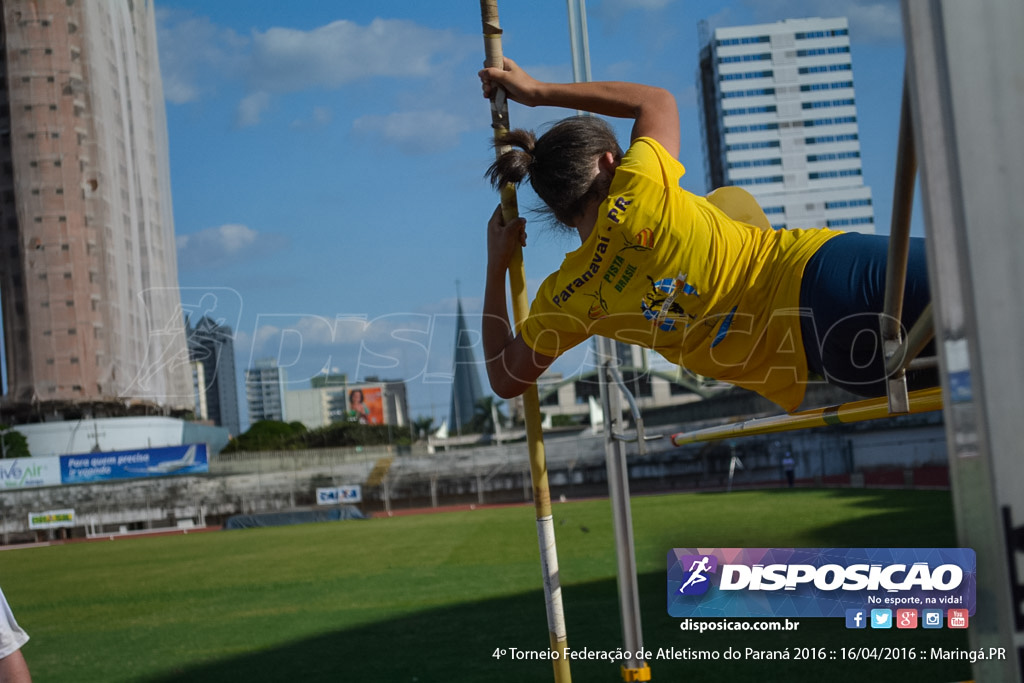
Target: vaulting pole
x=531 y=401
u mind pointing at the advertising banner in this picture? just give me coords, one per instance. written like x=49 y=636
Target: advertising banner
x=327 y=496
x=145 y=462
x=818 y=582
x=340 y=495
x=26 y=473
x=350 y=494
x=51 y=519
x=366 y=406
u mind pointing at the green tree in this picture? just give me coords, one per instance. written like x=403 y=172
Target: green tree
x=270 y=435
x=483 y=416
x=422 y=427
x=12 y=443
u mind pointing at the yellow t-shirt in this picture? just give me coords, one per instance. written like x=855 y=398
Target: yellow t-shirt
x=666 y=269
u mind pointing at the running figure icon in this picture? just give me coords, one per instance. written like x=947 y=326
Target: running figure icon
x=696 y=570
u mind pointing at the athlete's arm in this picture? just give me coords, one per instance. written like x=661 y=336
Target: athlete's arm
x=13 y=669
x=653 y=110
x=512 y=366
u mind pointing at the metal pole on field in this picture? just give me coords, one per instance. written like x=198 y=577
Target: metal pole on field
x=531 y=401
x=613 y=388
x=633 y=668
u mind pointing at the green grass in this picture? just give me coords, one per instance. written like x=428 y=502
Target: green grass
x=430 y=597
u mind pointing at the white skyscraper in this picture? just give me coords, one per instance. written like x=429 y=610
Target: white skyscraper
x=779 y=120
x=264 y=390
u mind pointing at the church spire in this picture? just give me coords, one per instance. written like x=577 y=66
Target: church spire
x=466 y=391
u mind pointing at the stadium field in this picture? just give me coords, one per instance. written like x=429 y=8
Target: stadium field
x=438 y=597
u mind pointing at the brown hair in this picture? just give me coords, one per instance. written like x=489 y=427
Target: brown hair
x=559 y=164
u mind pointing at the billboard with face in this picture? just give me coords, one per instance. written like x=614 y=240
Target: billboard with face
x=366 y=406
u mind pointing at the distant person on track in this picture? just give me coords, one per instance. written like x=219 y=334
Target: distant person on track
x=703 y=281
x=789 y=468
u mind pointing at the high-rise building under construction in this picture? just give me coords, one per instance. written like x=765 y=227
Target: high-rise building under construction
x=88 y=271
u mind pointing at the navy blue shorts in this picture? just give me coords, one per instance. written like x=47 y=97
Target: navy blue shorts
x=843 y=288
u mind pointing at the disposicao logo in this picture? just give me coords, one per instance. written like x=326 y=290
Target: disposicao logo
x=696 y=580
x=817 y=582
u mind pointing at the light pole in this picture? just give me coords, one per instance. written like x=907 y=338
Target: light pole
x=388 y=414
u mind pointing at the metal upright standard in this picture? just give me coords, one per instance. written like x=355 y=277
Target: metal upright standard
x=615 y=456
x=896 y=263
x=617 y=471
x=531 y=402
x=965 y=66
x=634 y=668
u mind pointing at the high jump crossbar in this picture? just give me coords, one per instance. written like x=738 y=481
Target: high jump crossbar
x=921 y=401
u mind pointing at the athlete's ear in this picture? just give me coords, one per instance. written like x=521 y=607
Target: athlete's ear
x=607 y=162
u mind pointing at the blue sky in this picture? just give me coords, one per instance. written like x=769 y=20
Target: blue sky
x=327 y=159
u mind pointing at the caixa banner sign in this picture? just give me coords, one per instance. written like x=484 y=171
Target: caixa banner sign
x=340 y=495
x=817 y=582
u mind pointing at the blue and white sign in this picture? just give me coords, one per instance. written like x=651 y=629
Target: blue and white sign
x=327 y=496
x=145 y=462
x=26 y=473
x=352 y=493
x=340 y=495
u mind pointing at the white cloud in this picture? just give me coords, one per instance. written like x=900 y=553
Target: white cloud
x=611 y=11
x=880 y=21
x=870 y=20
x=243 y=340
x=414 y=132
x=199 y=58
x=251 y=108
x=639 y=4
x=317 y=331
x=288 y=60
x=688 y=96
x=318 y=118
x=193 y=51
x=414 y=344
x=225 y=244
x=724 y=17
x=308 y=343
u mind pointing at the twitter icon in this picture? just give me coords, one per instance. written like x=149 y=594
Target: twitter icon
x=881 y=618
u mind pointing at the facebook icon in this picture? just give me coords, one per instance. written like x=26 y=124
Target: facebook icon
x=856 y=618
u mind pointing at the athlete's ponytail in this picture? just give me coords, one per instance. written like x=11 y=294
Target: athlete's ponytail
x=559 y=164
